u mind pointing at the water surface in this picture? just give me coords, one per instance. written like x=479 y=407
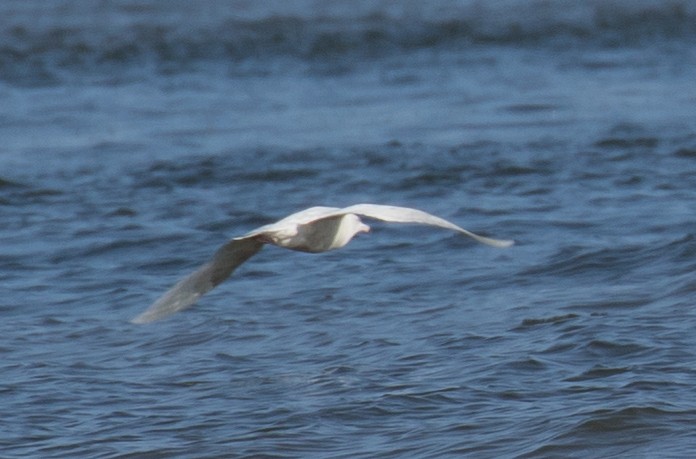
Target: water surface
x=137 y=136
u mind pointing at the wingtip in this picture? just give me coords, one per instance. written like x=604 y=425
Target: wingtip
x=146 y=317
x=498 y=243
x=139 y=320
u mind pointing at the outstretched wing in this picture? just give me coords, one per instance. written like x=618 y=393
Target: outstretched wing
x=408 y=215
x=187 y=291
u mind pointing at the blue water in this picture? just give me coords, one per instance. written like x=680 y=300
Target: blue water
x=137 y=136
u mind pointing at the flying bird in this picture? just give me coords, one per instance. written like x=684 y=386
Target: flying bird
x=313 y=230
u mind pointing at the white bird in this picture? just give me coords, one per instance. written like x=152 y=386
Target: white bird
x=317 y=229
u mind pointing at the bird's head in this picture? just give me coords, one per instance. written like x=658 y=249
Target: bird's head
x=349 y=225
x=355 y=224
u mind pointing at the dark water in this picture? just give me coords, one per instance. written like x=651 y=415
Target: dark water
x=136 y=136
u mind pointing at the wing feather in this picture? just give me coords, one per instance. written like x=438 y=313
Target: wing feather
x=408 y=215
x=189 y=289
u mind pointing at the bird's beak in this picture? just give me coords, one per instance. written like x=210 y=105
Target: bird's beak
x=364 y=228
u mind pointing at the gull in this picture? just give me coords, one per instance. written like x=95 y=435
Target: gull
x=313 y=230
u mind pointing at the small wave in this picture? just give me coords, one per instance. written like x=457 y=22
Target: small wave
x=614 y=143
x=574 y=261
x=4 y=183
x=554 y=320
x=188 y=173
x=20 y=194
x=689 y=153
x=598 y=372
x=607 y=420
x=618 y=432
x=614 y=349
x=618 y=262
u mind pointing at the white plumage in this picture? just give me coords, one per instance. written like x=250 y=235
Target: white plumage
x=317 y=229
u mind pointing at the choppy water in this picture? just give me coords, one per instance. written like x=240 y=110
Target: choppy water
x=137 y=136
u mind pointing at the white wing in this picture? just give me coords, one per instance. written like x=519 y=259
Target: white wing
x=291 y=222
x=408 y=215
x=187 y=291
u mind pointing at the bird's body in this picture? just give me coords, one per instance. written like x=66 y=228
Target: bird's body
x=327 y=233
x=313 y=230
